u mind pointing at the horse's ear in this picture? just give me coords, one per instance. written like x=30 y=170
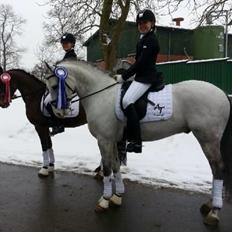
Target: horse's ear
x=1 y=70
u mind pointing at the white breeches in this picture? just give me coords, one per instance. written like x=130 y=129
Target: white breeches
x=134 y=92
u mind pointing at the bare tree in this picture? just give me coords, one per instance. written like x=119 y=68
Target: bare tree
x=77 y=17
x=81 y=17
x=10 y=27
x=201 y=9
x=48 y=54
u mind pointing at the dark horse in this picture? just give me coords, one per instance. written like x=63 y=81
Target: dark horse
x=32 y=90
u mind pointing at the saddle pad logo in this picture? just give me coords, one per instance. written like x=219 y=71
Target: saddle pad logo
x=158 y=109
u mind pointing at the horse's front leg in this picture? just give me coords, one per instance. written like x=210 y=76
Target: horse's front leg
x=121 y=150
x=107 y=152
x=48 y=155
x=110 y=161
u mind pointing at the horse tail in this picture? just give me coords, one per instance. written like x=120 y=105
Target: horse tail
x=226 y=152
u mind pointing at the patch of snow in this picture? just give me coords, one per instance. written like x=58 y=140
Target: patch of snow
x=176 y=161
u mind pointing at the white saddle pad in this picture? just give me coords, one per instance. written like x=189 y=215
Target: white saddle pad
x=71 y=112
x=160 y=110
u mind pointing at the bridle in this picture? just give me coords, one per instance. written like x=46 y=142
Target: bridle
x=5 y=78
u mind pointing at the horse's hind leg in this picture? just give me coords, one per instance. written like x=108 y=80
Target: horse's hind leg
x=48 y=155
x=211 y=209
x=116 y=198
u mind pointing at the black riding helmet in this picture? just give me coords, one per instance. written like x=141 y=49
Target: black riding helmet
x=68 y=38
x=145 y=15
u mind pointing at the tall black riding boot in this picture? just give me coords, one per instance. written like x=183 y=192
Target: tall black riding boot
x=57 y=126
x=133 y=130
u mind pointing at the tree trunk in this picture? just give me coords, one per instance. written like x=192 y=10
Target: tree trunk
x=109 y=45
x=3 y=44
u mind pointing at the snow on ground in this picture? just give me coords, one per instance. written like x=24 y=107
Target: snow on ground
x=176 y=161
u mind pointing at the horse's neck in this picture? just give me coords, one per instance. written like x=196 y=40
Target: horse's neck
x=90 y=81
x=26 y=84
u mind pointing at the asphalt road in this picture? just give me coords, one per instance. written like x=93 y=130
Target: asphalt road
x=66 y=202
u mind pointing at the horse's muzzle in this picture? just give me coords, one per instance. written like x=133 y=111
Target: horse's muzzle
x=4 y=104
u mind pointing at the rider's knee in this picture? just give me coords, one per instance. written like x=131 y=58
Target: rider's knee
x=126 y=102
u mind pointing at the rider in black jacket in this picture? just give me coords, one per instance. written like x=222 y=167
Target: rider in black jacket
x=145 y=72
x=68 y=43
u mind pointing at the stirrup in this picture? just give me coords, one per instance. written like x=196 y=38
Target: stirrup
x=134 y=147
x=57 y=130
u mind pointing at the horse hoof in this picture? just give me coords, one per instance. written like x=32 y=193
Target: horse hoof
x=43 y=172
x=212 y=219
x=116 y=200
x=102 y=206
x=206 y=208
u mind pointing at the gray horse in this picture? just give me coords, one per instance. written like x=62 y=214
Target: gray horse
x=198 y=106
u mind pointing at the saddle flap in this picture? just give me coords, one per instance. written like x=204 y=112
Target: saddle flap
x=152 y=106
x=71 y=111
x=141 y=103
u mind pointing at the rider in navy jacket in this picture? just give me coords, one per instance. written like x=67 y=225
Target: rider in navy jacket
x=70 y=55
x=68 y=43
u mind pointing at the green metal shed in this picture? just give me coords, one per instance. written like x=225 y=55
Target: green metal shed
x=215 y=71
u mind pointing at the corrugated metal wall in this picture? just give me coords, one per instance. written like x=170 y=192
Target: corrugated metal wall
x=217 y=72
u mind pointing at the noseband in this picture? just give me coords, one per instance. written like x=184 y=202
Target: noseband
x=5 y=79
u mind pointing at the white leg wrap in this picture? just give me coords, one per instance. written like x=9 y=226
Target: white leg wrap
x=107 y=187
x=217 y=193
x=45 y=158
x=119 y=185
x=51 y=156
